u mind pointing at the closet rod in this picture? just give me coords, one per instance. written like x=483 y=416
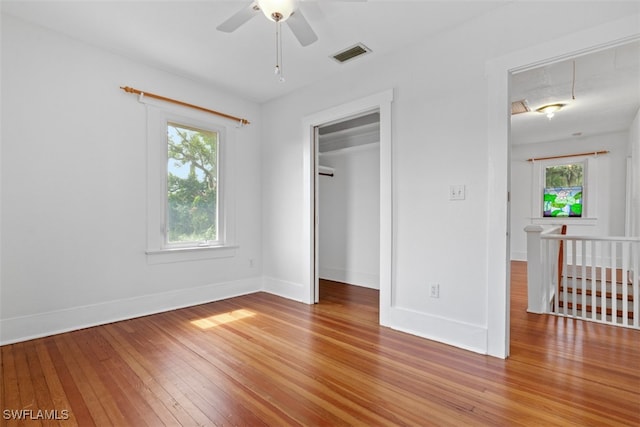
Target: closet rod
x=595 y=153
x=184 y=104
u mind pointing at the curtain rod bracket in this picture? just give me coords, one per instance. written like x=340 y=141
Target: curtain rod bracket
x=141 y=97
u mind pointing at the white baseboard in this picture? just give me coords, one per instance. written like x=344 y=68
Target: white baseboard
x=470 y=337
x=289 y=290
x=452 y=332
x=518 y=256
x=54 y=322
x=367 y=280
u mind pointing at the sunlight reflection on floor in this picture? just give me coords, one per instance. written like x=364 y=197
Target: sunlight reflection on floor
x=220 y=319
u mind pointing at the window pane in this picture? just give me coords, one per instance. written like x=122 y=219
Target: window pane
x=192 y=184
x=564 y=175
x=563 y=190
x=563 y=201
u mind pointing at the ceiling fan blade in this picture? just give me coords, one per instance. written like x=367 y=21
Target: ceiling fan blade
x=301 y=28
x=239 y=18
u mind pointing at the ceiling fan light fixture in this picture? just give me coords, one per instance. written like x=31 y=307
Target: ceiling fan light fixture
x=550 y=109
x=277 y=10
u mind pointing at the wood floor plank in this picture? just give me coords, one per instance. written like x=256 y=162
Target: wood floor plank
x=25 y=382
x=99 y=353
x=230 y=367
x=260 y=360
x=91 y=390
x=154 y=378
x=59 y=400
x=78 y=412
x=11 y=392
x=42 y=394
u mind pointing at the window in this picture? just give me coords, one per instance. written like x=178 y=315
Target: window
x=565 y=190
x=192 y=186
x=562 y=194
x=190 y=197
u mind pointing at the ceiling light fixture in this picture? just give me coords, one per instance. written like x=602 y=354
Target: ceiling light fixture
x=550 y=109
x=277 y=11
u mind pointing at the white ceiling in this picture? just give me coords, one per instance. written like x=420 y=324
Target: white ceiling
x=180 y=36
x=607 y=96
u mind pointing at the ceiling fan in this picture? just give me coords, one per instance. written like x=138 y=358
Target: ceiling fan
x=277 y=11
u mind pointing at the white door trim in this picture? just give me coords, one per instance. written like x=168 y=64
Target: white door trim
x=380 y=101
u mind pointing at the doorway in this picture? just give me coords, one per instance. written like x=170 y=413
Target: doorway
x=348 y=201
x=380 y=102
x=498 y=73
x=598 y=92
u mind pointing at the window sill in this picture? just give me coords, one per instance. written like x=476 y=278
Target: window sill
x=564 y=220
x=162 y=256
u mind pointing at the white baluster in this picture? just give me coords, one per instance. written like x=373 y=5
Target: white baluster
x=614 y=291
x=583 y=281
x=624 y=281
x=594 y=276
x=574 y=278
x=635 y=253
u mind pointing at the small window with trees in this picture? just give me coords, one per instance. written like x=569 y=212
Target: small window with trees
x=192 y=216
x=563 y=190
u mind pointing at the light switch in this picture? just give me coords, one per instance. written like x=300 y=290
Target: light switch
x=456 y=192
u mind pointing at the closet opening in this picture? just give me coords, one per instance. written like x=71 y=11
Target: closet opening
x=348 y=208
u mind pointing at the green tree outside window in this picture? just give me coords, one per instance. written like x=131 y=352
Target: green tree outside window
x=192 y=184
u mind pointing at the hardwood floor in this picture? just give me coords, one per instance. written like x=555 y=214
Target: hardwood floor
x=262 y=360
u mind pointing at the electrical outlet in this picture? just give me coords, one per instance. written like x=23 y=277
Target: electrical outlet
x=434 y=290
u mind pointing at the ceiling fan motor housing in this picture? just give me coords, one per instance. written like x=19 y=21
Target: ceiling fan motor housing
x=277 y=10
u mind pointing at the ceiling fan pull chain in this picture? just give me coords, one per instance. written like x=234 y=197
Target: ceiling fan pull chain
x=280 y=51
x=278 y=70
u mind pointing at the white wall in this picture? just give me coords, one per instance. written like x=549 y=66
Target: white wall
x=349 y=228
x=74 y=190
x=440 y=129
x=611 y=184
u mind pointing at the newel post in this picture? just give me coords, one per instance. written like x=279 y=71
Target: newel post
x=535 y=288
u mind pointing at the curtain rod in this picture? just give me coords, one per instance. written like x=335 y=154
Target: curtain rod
x=184 y=104
x=595 y=153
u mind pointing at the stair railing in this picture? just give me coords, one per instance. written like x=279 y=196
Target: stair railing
x=589 y=277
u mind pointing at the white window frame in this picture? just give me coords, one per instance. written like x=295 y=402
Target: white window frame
x=158 y=249
x=589 y=191
x=221 y=138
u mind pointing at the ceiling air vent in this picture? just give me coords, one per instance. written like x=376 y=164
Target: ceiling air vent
x=519 y=107
x=351 y=53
